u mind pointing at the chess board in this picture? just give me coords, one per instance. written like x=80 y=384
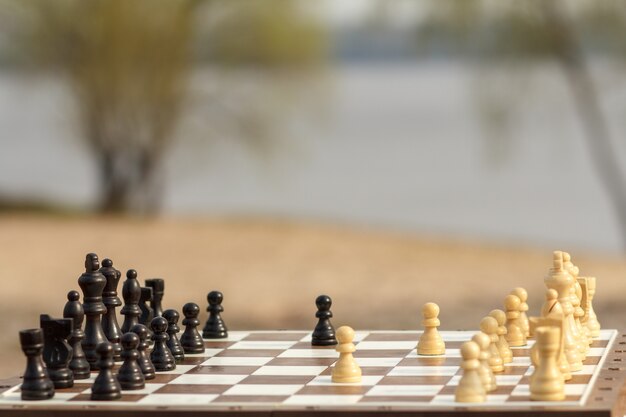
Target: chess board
x=280 y=373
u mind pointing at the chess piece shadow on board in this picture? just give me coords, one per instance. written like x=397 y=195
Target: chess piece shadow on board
x=57 y=352
x=215 y=328
x=36 y=384
x=324 y=333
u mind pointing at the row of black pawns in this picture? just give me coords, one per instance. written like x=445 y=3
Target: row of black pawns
x=70 y=353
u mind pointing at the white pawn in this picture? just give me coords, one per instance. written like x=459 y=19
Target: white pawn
x=431 y=342
x=470 y=388
x=522 y=294
x=503 y=346
x=486 y=375
x=346 y=369
x=514 y=333
x=546 y=382
x=489 y=326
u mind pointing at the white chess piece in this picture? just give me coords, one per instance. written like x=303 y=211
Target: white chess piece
x=470 y=388
x=346 y=369
x=489 y=326
x=487 y=377
x=431 y=342
x=546 y=382
x=503 y=346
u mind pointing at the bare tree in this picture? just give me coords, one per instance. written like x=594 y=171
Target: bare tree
x=532 y=30
x=128 y=64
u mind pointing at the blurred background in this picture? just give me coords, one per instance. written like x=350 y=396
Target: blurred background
x=387 y=153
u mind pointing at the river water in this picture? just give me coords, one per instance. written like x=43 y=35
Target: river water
x=400 y=147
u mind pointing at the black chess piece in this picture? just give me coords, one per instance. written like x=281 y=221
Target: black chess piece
x=324 y=333
x=92 y=284
x=158 y=290
x=215 y=328
x=147 y=368
x=57 y=352
x=146 y=312
x=105 y=387
x=130 y=375
x=110 y=299
x=191 y=340
x=74 y=310
x=173 y=343
x=36 y=384
x=131 y=292
x=161 y=356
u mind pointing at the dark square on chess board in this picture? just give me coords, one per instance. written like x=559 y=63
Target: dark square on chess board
x=280 y=373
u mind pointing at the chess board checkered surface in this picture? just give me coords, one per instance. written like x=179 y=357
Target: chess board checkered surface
x=280 y=369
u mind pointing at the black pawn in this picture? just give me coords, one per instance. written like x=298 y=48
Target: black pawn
x=111 y=301
x=158 y=290
x=191 y=340
x=161 y=356
x=130 y=375
x=131 y=292
x=74 y=310
x=146 y=312
x=105 y=387
x=215 y=327
x=143 y=360
x=57 y=352
x=36 y=384
x=92 y=284
x=173 y=343
x=324 y=333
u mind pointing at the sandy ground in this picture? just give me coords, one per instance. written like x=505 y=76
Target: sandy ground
x=271 y=272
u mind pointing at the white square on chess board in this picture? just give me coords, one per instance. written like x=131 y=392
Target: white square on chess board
x=264 y=389
x=448 y=399
x=180 y=369
x=423 y=371
x=175 y=399
x=208 y=352
x=268 y=345
x=501 y=380
x=358 y=336
x=385 y=362
x=237 y=361
x=290 y=370
x=309 y=353
x=233 y=336
x=322 y=399
x=570 y=389
x=148 y=389
x=391 y=345
x=404 y=390
x=327 y=380
x=207 y=379
x=450 y=353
